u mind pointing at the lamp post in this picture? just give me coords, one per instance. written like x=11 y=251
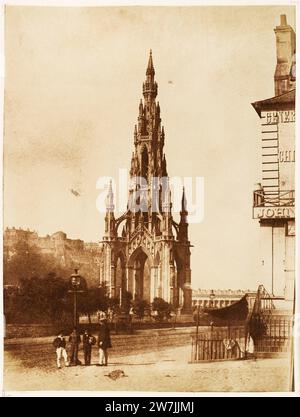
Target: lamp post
x=212 y=297
x=76 y=285
x=75 y=280
x=197 y=329
x=197 y=319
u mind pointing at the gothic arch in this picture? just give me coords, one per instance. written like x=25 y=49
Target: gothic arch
x=179 y=267
x=157 y=259
x=176 y=228
x=119 y=221
x=136 y=253
x=144 y=163
x=120 y=274
x=139 y=274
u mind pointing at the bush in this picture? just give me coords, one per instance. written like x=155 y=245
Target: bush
x=162 y=307
x=139 y=307
x=126 y=301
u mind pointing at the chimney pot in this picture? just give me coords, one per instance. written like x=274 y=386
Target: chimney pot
x=283 y=21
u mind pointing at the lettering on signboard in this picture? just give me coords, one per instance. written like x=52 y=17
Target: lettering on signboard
x=286 y=156
x=274 y=212
x=291 y=228
x=281 y=117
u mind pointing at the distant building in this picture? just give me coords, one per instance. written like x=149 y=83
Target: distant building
x=217 y=298
x=274 y=197
x=69 y=253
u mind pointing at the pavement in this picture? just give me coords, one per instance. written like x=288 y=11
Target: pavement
x=164 y=369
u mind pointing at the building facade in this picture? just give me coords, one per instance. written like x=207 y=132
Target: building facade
x=144 y=251
x=274 y=197
x=217 y=298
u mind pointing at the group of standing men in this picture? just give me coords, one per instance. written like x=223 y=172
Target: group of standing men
x=68 y=349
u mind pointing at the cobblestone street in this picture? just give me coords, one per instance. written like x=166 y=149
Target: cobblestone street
x=163 y=369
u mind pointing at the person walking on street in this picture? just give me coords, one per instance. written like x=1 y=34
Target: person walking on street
x=60 y=345
x=88 y=341
x=104 y=342
x=131 y=315
x=74 y=340
x=173 y=317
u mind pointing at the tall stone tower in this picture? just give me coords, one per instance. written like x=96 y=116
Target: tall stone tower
x=144 y=251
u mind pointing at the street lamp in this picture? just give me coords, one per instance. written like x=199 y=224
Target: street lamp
x=197 y=319
x=76 y=282
x=197 y=328
x=212 y=297
x=77 y=285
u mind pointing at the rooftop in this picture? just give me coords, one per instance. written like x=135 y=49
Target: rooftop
x=284 y=101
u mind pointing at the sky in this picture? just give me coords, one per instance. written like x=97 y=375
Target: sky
x=73 y=81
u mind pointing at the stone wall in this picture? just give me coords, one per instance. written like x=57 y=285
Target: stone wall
x=30 y=330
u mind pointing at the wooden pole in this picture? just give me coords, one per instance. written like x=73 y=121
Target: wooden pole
x=75 y=308
x=292 y=350
x=197 y=333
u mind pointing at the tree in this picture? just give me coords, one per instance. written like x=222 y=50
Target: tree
x=27 y=262
x=139 y=307
x=126 y=301
x=92 y=300
x=10 y=303
x=39 y=300
x=114 y=304
x=162 y=307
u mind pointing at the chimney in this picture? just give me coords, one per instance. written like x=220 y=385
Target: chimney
x=283 y=20
x=285 y=49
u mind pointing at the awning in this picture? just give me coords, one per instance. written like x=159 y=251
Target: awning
x=237 y=311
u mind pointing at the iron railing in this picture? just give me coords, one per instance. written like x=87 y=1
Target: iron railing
x=274 y=198
x=218 y=345
x=277 y=336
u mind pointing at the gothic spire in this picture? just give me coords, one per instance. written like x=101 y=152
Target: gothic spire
x=183 y=202
x=141 y=108
x=110 y=198
x=150 y=68
x=150 y=86
x=183 y=224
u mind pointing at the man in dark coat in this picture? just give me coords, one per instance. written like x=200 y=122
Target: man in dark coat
x=104 y=342
x=74 y=340
x=88 y=341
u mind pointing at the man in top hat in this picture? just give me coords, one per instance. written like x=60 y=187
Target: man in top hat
x=74 y=340
x=104 y=341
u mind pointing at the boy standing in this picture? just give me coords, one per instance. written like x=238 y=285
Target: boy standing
x=88 y=341
x=60 y=345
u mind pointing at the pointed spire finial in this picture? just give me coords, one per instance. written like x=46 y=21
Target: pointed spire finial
x=110 y=198
x=183 y=200
x=110 y=190
x=150 y=68
x=141 y=108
